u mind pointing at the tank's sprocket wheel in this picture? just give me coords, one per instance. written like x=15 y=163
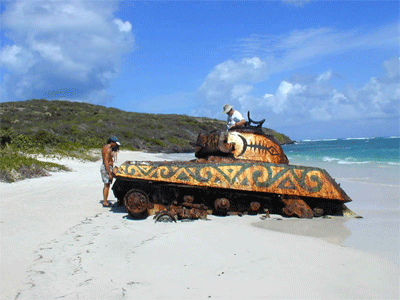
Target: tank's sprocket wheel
x=136 y=202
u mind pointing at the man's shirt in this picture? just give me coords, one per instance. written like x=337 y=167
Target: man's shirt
x=233 y=119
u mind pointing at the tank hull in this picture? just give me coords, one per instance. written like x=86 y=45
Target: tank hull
x=277 y=188
x=261 y=177
x=240 y=170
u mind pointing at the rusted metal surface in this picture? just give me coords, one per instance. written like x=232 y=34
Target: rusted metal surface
x=239 y=171
x=136 y=202
x=318 y=212
x=240 y=144
x=254 y=207
x=222 y=205
x=257 y=177
x=214 y=143
x=296 y=207
x=187 y=210
x=256 y=147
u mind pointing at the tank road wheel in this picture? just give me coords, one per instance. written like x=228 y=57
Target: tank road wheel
x=221 y=206
x=165 y=216
x=254 y=208
x=136 y=203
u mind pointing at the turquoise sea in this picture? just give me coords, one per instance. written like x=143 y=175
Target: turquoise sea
x=380 y=150
x=368 y=170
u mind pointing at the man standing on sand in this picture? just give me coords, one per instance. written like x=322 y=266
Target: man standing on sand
x=109 y=153
x=235 y=118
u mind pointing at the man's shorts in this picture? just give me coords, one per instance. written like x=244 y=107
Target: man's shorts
x=104 y=174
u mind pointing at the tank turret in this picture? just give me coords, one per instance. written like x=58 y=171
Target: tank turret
x=248 y=142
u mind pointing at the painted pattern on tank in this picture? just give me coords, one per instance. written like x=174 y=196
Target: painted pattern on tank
x=255 y=147
x=259 y=177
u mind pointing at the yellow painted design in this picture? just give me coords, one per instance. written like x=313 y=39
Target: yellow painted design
x=257 y=177
x=230 y=171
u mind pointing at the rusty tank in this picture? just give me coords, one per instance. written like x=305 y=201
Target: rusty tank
x=240 y=171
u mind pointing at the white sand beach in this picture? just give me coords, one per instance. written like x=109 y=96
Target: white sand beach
x=58 y=242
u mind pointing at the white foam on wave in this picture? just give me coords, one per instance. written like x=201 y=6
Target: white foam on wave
x=341 y=161
x=361 y=138
x=330 y=159
x=347 y=162
x=320 y=140
x=347 y=139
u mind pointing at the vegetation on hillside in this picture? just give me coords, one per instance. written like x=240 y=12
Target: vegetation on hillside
x=90 y=125
x=16 y=166
x=64 y=128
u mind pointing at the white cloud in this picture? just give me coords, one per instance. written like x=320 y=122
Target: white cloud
x=305 y=98
x=240 y=90
x=16 y=59
x=320 y=114
x=48 y=51
x=231 y=71
x=324 y=76
x=303 y=47
x=222 y=81
x=62 y=45
x=392 y=68
x=378 y=98
x=123 y=26
x=281 y=100
x=317 y=100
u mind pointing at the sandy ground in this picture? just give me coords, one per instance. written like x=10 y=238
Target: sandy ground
x=57 y=241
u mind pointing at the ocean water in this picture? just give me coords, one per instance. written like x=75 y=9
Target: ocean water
x=368 y=170
x=380 y=150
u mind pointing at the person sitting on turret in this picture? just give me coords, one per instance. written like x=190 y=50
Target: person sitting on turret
x=235 y=118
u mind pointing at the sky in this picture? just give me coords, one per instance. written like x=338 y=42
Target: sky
x=312 y=69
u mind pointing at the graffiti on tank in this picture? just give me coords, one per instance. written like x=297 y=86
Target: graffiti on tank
x=260 y=147
x=262 y=176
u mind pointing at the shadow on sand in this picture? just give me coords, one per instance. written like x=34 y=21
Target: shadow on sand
x=331 y=230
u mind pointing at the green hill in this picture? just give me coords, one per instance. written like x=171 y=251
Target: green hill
x=59 y=122
x=73 y=129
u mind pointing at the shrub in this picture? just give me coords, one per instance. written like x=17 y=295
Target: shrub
x=5 y=137
x=43 y=138
x=16 y=166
